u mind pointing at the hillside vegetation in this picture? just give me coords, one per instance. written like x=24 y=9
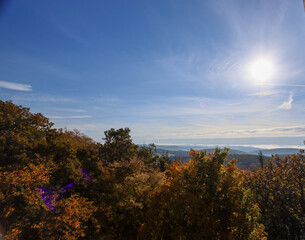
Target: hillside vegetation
x=244 y=160
x=58 y=184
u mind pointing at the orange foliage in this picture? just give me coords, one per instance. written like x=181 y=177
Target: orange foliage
x=203 y=199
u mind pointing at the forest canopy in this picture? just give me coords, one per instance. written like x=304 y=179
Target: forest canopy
x=60 y=184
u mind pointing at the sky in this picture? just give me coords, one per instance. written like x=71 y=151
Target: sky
x=173 y=71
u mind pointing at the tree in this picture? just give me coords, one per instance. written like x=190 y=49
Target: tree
x=203 y=199
x=164 y=162
x=261 y=158
x=33 y=155
x=149 y=155
x=19 y=198
x=123 y=192
x=23 y=135
x=118 y=145
x=279 y=189
x=131 y=193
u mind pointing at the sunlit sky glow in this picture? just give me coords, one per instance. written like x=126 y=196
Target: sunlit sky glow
x=262 y=69
x=171 y=71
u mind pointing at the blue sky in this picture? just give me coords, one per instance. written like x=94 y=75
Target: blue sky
x=171 y=71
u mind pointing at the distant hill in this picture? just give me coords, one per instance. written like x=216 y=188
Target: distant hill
x=244 y=160
x=279 y=151
x=247 y=161
x=174 y=147
x=247 y=157
x=233 y=149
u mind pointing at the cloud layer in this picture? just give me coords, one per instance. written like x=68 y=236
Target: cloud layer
x=15 y=86
x=68 y=117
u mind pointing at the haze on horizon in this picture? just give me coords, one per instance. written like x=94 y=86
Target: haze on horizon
x=171 y=71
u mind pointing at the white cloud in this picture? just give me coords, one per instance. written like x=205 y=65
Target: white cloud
x=291 y=129
x=267 y=93
x=283 y=84
x=15 y=86
x=70 y=110
x=68 y=117
x=287 y=105
x=175 y=132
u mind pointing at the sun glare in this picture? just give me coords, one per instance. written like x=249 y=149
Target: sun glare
x=262 y=69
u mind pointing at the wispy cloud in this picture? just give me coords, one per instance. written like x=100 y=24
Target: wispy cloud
x=15 y=86
x=291 y=129
x=69 y=30
x=282 y=84
x=288 y=104
x=70 y=110
x=68 y=117
x=267 y=93
x=41 y=98
x=172 y=132
x=228 y=65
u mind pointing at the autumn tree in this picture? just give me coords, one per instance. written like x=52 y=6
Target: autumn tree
x=23 y=135
x=124 y=188
x=203 y=199
x=279 y=189
x=123 y=193
x=24 y=215
x=109 y=201
x=116 y=189
x=33 y=155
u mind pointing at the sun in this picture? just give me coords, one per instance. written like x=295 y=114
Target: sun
x=262 y=69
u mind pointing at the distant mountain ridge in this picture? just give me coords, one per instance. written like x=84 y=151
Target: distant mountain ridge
x=279 y=151
x=234 y=150
x=247 y=158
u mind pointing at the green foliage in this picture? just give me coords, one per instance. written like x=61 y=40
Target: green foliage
x=164 y=163
x=118 y=145
x=149 y=155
